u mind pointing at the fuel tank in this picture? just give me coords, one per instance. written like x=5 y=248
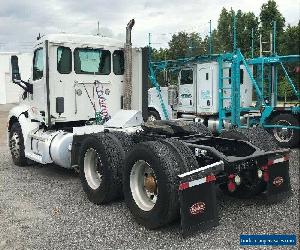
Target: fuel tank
x=51 y=147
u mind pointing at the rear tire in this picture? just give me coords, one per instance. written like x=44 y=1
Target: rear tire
x=100 y=168
x=16 y=145
x=257 y=136
x=160 y=206
x=195 y=127
x=286 y=138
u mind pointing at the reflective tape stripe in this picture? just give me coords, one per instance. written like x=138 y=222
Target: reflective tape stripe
x=278 y=160
x=186 y=185
x=219 y=163
x=197 y=182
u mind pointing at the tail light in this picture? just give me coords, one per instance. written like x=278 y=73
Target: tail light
x=231 y=186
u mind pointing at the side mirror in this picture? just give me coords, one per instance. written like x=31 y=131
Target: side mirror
x=15 y=73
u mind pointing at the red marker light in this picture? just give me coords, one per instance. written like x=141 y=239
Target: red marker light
x=266 y=176
x=231 y=186
x=183 y=186
x=210 y=178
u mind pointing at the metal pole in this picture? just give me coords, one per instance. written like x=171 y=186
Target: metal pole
x=149 y=45
x=273 y=78
x=260 y=45
x=274 y=38
x=273 y=68
x=252 y=43
x=210 y=45
x=271 y=43
x=234 y=32
x=149 y=39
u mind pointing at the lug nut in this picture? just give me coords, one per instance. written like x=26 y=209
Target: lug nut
x=259 y=173
x=237 y=180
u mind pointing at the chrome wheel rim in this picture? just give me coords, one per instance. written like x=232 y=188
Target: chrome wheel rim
x=151 y=118
x=92 y=164
x=143 y=185
x=15 y=145
x=283 y=134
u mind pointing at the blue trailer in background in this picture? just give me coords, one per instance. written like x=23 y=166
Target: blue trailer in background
x=280 y=119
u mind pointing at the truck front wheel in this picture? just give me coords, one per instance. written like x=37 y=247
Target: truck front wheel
x=16 y=145
x=286 y=137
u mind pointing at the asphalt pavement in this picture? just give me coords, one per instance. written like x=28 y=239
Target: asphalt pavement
x=44 y=207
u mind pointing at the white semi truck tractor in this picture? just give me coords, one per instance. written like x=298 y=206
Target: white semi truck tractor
x=196 y=95
x=84 y=108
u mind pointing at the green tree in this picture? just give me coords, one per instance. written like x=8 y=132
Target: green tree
x=178 y=45
x=285 y=90
x=245 y=22
x=186 y=44
x=289 y=42
x=269 y=13
x=224 y=31
x=160 y=54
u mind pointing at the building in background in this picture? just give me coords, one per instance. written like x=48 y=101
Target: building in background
x=10 y=92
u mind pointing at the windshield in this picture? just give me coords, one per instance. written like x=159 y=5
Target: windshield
x=186 y=76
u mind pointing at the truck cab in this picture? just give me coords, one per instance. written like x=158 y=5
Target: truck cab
x=74 y=75
x=77 y=85
x=199 y=89
x=201 y=92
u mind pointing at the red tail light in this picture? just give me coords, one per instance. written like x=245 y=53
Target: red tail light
x=231 y=186
x=210 y=178
x=266 y=176
x=183 y=185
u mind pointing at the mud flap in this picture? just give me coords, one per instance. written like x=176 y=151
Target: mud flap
x=278 y=186
x=198 y=201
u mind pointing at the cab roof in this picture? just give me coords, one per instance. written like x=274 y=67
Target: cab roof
x=81 y=39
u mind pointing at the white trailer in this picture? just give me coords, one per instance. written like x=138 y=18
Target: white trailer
x=10 y=93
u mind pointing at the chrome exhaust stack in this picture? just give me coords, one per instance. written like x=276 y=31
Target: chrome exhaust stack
x=128 y=31
x=128 y=67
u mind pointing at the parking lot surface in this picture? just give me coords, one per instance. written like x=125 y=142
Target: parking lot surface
x=44 y=207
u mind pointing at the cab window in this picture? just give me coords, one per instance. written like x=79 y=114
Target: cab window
x=186 y=76
x=64 y=60
x=38 y=64
x=92 y=61
x=118 y=62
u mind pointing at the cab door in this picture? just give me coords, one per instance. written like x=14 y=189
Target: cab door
x=204 y=88
x=65 y=92
x=39 y=96
x=186 y=102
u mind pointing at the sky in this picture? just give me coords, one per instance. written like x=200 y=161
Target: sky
x=22 y=20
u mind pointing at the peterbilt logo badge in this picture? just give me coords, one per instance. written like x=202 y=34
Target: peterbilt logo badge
x=197 y=208
x=278 y=181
